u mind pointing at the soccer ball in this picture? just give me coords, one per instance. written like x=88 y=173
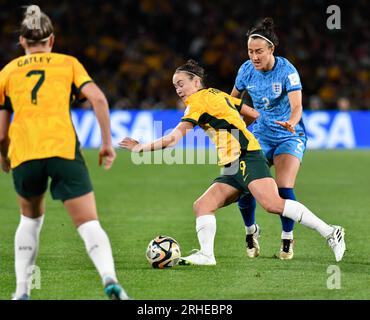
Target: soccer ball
x=163 y=252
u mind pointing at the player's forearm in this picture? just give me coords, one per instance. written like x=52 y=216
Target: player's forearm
x=4 y=136
x=295 y=100
x=169 y=140
x=296 y=114
x=249 y=114
x=102 y=114
x=248 y=121
x=161 y=143
x=4 y=146
x=235 y=93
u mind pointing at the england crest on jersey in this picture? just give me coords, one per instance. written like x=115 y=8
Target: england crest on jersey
x=277 y=88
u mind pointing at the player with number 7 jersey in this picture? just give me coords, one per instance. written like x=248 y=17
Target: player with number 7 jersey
x=40 y=144
x=39 y=89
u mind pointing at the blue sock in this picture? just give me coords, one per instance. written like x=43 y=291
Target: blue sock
x=247 y=207
x=287 y=193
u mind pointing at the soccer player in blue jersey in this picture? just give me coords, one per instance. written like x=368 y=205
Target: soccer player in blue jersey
x=275 y=88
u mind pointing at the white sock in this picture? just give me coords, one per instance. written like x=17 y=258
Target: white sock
x=98 y=248
x=251 y=229
x=26 y=245
x=287 y=235
x=206 y=231
x=299 y=213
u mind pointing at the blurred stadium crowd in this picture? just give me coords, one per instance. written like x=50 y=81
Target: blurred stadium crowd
x=131 y=48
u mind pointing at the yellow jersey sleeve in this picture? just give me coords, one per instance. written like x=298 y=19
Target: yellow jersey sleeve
x=80 y=75
x=237 y=102
x=193 y=111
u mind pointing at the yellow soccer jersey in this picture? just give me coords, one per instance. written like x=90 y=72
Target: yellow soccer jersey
x=38 y=88
x=218 y=114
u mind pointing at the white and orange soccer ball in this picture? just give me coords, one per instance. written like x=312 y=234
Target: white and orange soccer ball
x=163 y=252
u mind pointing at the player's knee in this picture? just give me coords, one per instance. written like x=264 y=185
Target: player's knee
x=272 y=208
x=200 y=207
x=197 y=206
x=78 y=221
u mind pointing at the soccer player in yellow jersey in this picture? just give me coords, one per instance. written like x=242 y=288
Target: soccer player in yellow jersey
x=244 y=168
x=41 y=142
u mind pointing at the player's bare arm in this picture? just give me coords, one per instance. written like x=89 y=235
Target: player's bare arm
x=235 y=93
x=169 y=140
x=295 y=100
x=249 y=114
x=100 y=105
x=4 y=140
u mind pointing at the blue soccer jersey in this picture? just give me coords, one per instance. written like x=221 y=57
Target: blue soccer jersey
x=269 y=92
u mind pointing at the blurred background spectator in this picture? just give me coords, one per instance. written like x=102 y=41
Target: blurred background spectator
x=131 y=48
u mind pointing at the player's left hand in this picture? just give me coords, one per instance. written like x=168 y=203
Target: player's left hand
x=130 y=144
x=287 y=125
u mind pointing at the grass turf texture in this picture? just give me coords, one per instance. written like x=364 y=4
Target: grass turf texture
x=136 y=203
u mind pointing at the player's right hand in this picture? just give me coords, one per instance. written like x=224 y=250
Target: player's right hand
x=287 y=125
x=5 y=164
x=130 y=144
x=106 y=156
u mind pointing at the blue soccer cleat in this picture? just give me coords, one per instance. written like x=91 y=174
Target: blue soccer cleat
x=114 y=291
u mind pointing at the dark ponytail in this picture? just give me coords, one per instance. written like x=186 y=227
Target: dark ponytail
x=192 y=68
x=265 y=28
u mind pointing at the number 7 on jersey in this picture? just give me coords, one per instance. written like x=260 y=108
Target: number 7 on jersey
x=36 y=88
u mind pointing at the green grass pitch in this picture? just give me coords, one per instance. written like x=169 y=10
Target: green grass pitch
x=136 y=203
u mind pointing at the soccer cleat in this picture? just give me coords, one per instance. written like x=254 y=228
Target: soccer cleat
x=286 y=249
x=114 y=291
x=198 y=259
x=336 y=242
x=24 y=296
x=253 y=247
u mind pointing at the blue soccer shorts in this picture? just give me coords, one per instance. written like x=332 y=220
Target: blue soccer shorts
x=295 y=145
